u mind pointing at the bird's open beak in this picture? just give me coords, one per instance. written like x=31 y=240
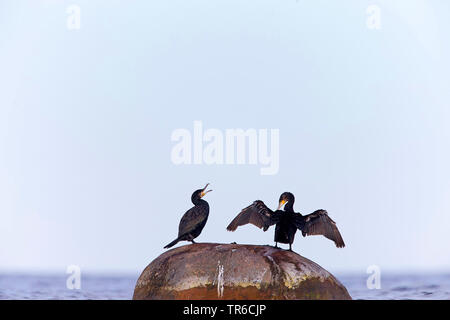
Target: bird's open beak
x=281 y=204
x=204 y=192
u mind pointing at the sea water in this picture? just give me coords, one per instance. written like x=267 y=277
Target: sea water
x=44 y=287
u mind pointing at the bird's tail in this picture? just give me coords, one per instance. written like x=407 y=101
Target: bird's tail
x=174 y=242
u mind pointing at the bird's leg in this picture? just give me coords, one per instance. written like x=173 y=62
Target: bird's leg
x=276 y=245
x=290 y=247
x=193 y=241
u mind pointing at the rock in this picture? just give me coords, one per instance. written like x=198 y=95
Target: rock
x=208 y=271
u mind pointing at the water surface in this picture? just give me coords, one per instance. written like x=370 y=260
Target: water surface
x=393 y=286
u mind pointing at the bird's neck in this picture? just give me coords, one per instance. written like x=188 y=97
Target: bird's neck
x=289 y=207
x=199 y=201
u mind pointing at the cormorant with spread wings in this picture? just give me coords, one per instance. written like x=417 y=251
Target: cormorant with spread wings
x=287 y=221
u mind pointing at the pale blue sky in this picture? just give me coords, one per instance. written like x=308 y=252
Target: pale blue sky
x=86 y=118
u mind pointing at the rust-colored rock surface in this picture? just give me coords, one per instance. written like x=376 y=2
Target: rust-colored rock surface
x=209 y=271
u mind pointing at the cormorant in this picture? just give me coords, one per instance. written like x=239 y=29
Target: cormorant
x=287 y=221
x=193 y=221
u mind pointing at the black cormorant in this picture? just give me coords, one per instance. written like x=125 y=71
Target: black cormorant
x=287 y=221
x=193 y=221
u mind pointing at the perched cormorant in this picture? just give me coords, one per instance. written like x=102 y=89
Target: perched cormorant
x=193 y=221
x=287 y=221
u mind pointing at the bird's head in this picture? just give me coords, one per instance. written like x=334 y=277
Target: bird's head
x=200 y=193
x=285 y=198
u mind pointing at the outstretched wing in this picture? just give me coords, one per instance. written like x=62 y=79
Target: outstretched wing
x=319 y=223
x=257 y=214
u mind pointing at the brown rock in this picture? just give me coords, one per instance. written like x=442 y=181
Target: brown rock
x=209 y=271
